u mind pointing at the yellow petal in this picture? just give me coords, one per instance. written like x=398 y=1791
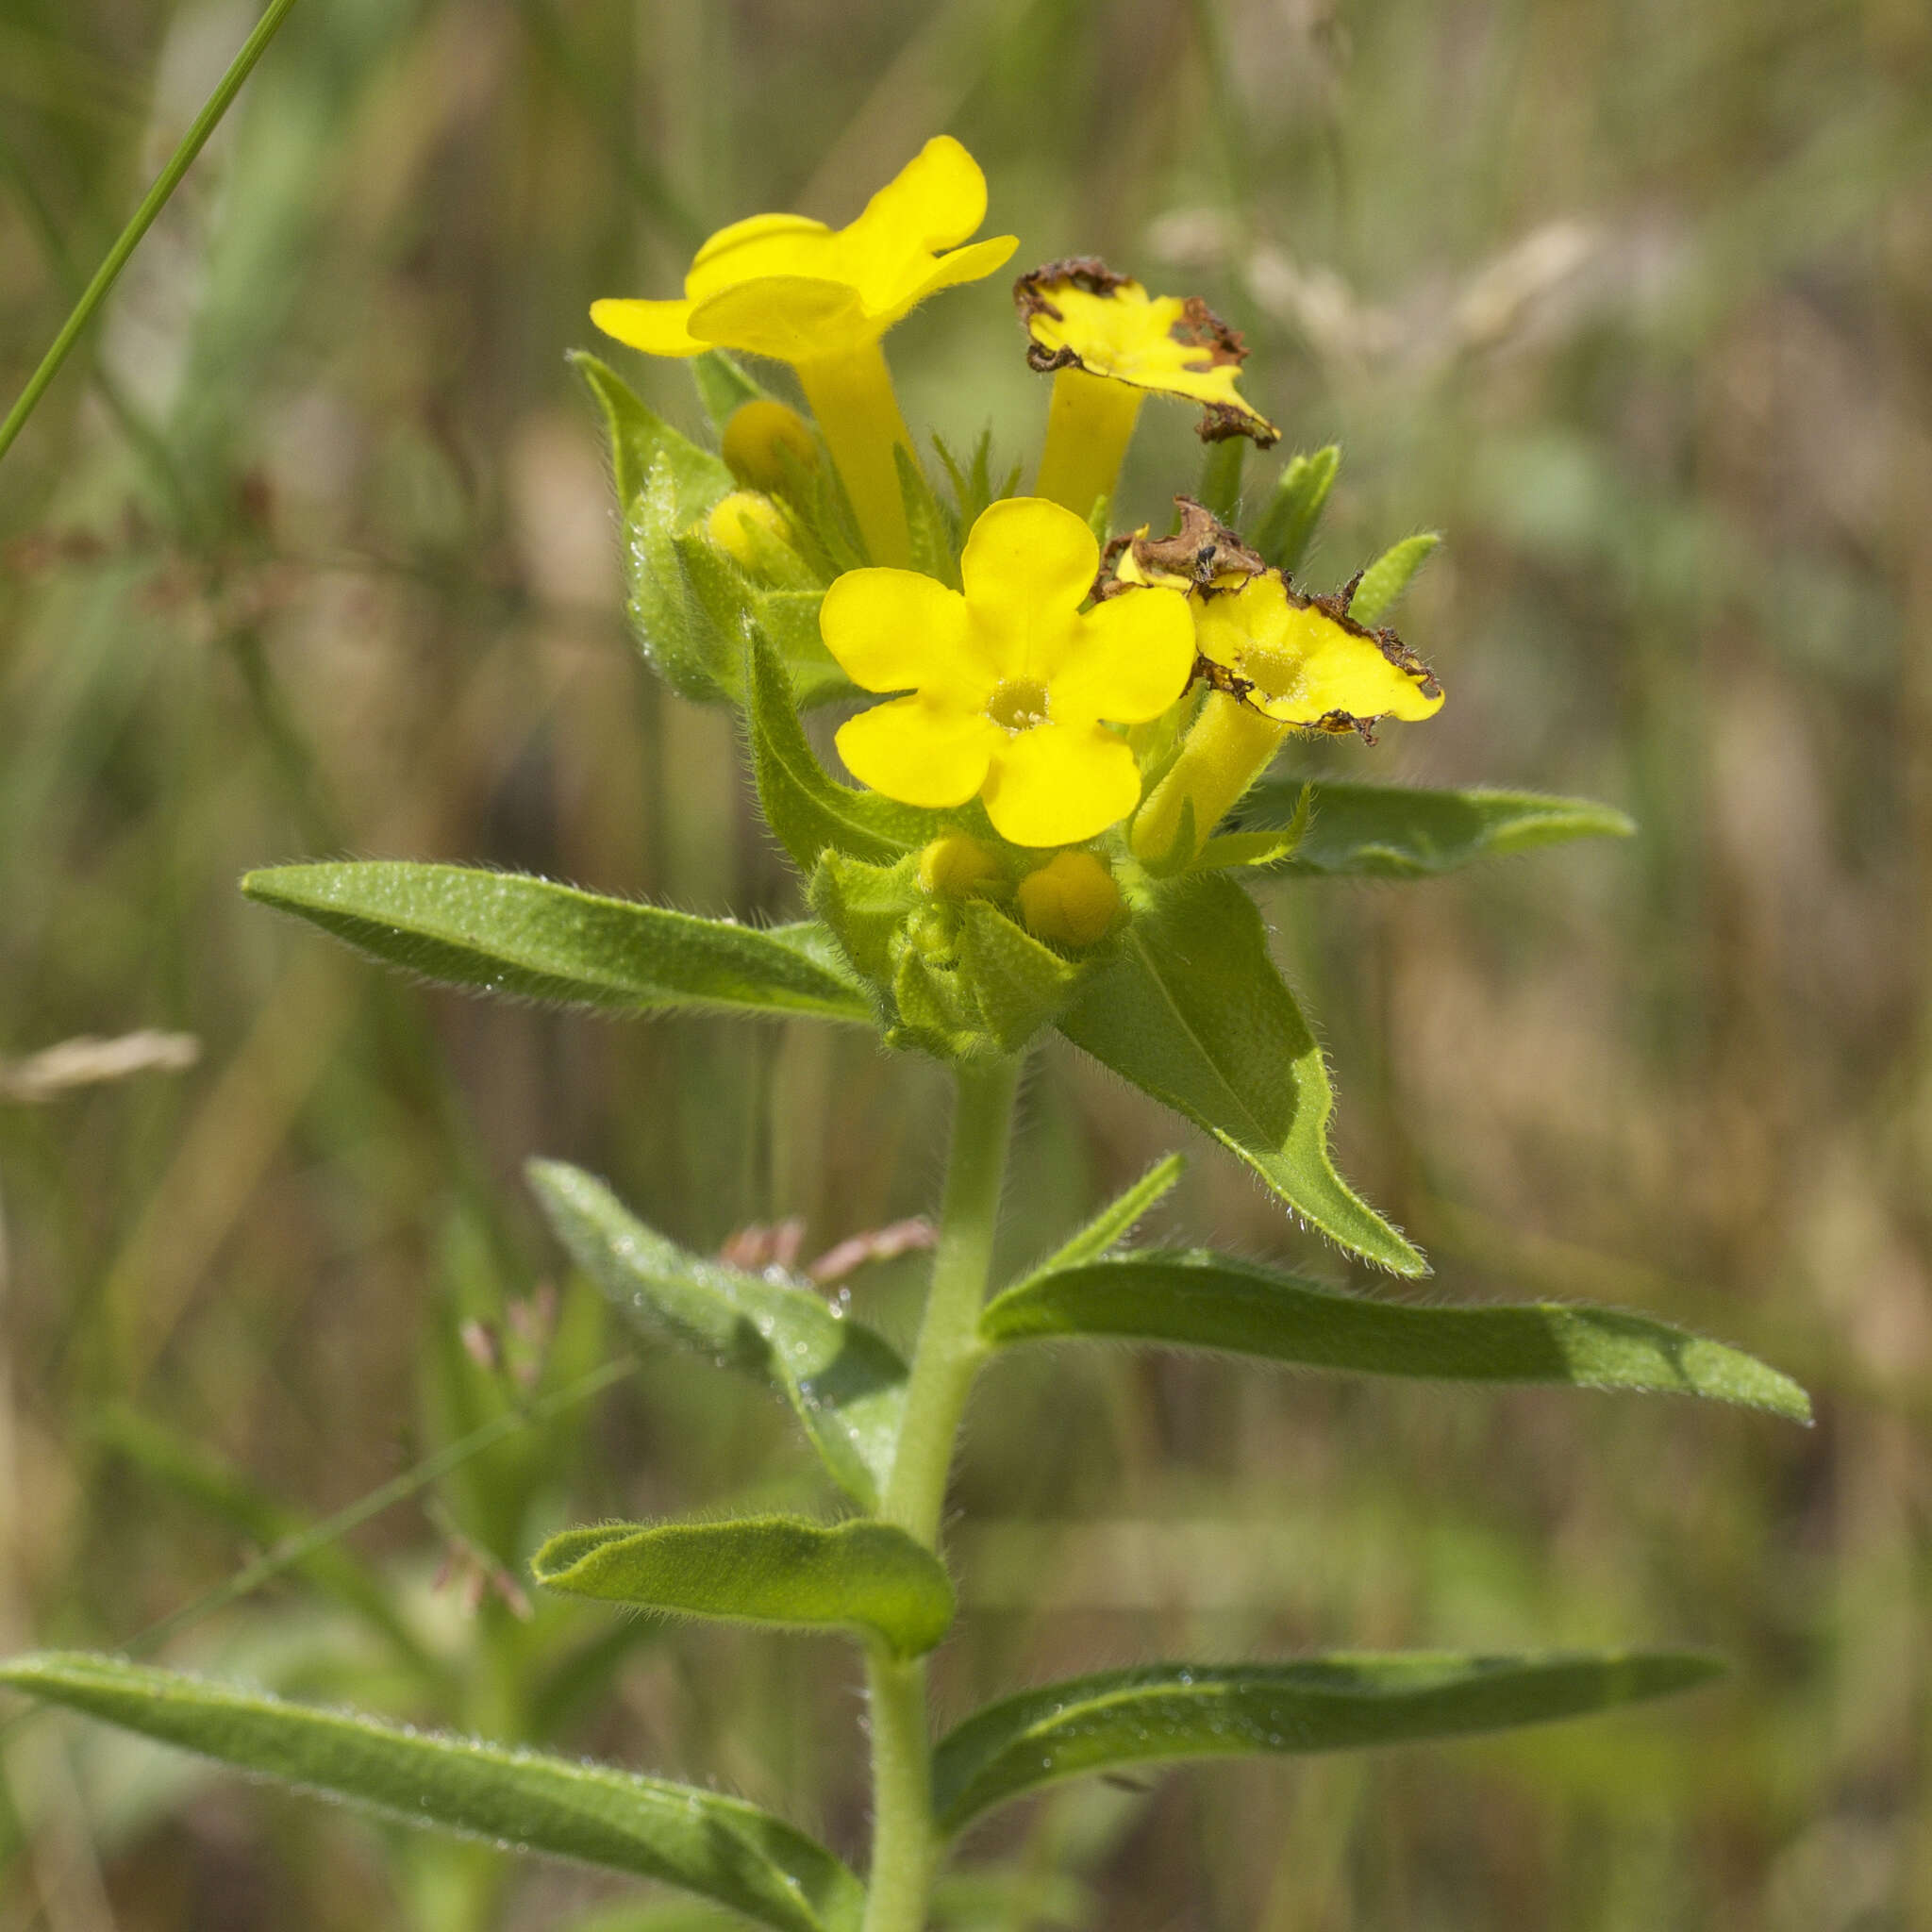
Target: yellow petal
x=1028 y=566
x=970 y=264
x=792 y=318
x=937 y=199
x=658 y=328
x=897 y=631
x=1111 y=326
x=1132 y=657
x=919 y=752
x=776 y=245
x=1060 y=784
x=1305 y=664
x=1071 y=900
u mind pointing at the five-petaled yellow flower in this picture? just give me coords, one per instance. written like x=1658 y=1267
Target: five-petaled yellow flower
x=1013 y=684
x=1109 y=344
x=819 y=298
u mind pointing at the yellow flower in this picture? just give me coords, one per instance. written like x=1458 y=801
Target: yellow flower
x=1303 y=660
x=1110 y=343
x=1009 y=681
x=1276 y=659
x=819 y=298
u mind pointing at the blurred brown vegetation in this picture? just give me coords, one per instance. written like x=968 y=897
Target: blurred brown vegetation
x=311 y=552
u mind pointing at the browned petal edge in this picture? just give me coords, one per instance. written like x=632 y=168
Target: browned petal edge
x=1219 y=677
x=1085 y=272
x=1335 y=608
x=1200 y=550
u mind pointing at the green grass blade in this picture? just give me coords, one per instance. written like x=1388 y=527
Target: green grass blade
x=1403 y=832
x=847 y=1385
x=1115 y=1221
x=152 y=202
x=1198 y=1299
x=711 y=1845
x=1168 y=1711
x=1192 y=1011
x=531 y=938
x=857 y=1576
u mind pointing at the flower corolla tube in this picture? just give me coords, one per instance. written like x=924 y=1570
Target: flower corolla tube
x=1012 y=685
x=819 y=298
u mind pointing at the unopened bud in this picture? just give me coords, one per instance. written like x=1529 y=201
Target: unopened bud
x=766 y=442
x=755 y=532
x=1071 y=900
x=955 y=866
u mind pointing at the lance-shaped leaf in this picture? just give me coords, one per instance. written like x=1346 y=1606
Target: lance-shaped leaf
x=1114 y=1221
x=1390 y=574
x=1199 y=1300
x=857 y=1576
x=1322 y=1704
x=714 y=1846
x=1294 y=510
x=809 y=812
x=641 y=440
x=1399 y=832
x=1191 y=1010
x=847 y=1385
x=507 y=933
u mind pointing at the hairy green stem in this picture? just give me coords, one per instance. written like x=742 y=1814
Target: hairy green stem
x=152 y=204
x=905 y=1845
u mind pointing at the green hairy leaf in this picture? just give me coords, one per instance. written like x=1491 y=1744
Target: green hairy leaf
x=1220 y=477
x=787 y=620
x=639 y=437
x=1192 y=1011
x=1116 y=1220
x=1200 y=1300
x=935 y=543
x=809 y=812
x=1018 y=984
x=1390 y=574
x=715 y=1846
x=847 y=1385
x=1338 y=1703
x=503 y=932
x=1399 y=832
x=861 y=1576
x=1301 y=494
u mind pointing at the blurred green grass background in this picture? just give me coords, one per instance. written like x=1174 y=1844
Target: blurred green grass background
x=311 y=552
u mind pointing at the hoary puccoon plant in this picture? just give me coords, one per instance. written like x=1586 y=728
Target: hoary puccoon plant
x=1063 y=733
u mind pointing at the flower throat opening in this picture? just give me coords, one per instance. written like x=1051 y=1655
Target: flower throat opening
x=1017 y=704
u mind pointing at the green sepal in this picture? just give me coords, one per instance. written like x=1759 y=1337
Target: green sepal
x=787 y=621
x=1231 y=851
x=952 y=978
x=717 y=1847
x=1403 y=832
x=934 y=536
x=809 y=812
x=1390 y=574
x=1191 y=1009
x=724 y=387
x=1018 y=985
x=1193 y=1299
x=1301 y=494
x=665 y=486
x=533 y=939
x=641 y=441
x=858 y=1576
x=1168 y=1711
x=1116 y=1220
x=845 y=1384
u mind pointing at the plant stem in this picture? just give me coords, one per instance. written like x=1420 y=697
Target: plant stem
x=905 y=1847
x=152 y=204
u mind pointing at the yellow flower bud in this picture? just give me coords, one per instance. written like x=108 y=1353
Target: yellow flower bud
x=1071 y=901
x=755 y=441
x=957 y=866
x=755 y=532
